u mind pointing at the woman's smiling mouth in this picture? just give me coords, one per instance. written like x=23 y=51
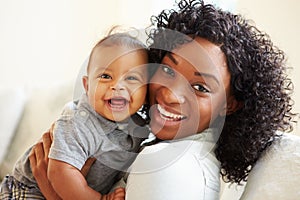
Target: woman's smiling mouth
x=168 y=115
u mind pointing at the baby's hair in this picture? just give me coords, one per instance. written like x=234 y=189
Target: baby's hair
x=258 y=79
x=114 y=38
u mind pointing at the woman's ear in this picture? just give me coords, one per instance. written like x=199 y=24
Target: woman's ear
x=232 y=106
x=85 y=81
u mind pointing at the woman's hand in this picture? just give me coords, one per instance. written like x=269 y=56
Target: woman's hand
x=117 y=194
x=39 y=165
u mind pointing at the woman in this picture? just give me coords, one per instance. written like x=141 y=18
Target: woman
x=219 y=75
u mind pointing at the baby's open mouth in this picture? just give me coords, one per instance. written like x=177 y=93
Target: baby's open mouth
x=118 y=103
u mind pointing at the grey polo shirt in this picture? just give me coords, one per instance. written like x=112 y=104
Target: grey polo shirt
x=81 y=133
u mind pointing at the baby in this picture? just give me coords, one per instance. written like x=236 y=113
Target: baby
x=103 y=124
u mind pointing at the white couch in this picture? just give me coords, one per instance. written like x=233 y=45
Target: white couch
x=276 y=175
x=25 y=115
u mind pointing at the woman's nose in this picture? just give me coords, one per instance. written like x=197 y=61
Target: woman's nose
x=170 y=96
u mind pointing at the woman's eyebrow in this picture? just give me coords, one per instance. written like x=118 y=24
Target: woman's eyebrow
x=196 y=73
x=207 y=75
x=172 y=58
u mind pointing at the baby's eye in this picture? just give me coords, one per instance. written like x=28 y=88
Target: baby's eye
x=105 y=76
x=131 y=78
x=200 y=88
x=168 y=70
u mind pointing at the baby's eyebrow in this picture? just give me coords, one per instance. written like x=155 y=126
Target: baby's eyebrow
x=208 y=76
x=134 y=72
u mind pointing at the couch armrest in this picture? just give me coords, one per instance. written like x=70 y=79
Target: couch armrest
x=276 y=175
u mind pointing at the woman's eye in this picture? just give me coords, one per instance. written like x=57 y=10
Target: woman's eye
x=105 y=76
x=168 y=70
x=201 y=88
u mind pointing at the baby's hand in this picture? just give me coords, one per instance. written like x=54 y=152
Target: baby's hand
x=117 y=194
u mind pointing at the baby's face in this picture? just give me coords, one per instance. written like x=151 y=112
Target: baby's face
x=117 y=81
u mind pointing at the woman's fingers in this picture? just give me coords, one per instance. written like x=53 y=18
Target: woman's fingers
x=51 y=131
x=37 y=162
x=119 y=194
x=32 y=158
x=38 y=156
x=47 y=141
x=39 y=165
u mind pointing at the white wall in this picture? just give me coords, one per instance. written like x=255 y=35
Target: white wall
x=45 y=42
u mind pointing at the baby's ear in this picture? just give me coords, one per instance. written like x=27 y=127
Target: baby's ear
x=232 y=106
x=85 y=81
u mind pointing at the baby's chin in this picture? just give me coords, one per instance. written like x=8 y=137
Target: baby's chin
x=118 y=118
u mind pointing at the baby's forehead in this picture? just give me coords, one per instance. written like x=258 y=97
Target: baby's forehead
x=103 y=57
x=115 y=49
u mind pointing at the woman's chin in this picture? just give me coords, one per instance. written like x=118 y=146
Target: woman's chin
x=163 y=132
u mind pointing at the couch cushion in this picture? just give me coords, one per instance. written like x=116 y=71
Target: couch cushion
x=42 y=108
x=276 y=175
x=12 y=101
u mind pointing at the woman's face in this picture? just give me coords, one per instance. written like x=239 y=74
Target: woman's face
x=189 y=90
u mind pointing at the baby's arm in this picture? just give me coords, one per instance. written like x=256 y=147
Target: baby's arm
x=68 y=181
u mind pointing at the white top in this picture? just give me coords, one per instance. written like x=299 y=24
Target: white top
x=179 y=169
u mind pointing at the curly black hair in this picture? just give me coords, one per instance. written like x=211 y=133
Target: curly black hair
x=258 y=79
